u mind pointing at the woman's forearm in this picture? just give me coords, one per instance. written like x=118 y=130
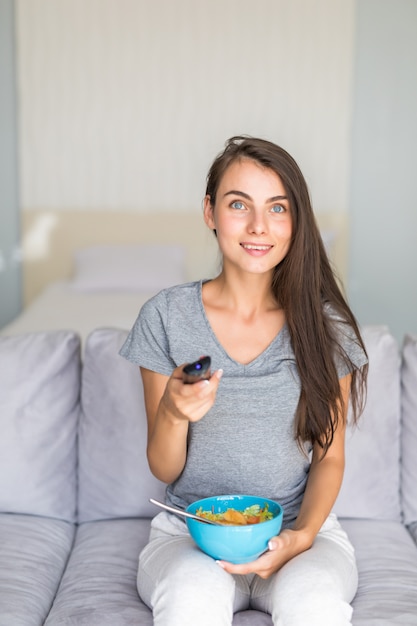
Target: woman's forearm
x=170 y=407
x=167 y=445
x=323 y=485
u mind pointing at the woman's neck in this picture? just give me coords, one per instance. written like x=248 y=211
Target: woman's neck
x=247 y=295
x=243 y=314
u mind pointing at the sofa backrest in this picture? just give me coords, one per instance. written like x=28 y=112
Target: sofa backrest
x=114 y=478
x=39 y=409
x=40 y=416
x=371 y=484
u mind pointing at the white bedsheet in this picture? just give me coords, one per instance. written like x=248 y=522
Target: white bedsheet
x=62 y=307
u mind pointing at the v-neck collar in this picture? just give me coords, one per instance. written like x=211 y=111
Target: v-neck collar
x=278 y=339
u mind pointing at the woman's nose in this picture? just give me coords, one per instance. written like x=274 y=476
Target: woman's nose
x=257 y=223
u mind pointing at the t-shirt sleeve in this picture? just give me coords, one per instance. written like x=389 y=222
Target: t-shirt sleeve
x=350 y=355
x=147 y=344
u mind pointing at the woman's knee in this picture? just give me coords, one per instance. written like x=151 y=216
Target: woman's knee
x=314 y=588
x=180 y=582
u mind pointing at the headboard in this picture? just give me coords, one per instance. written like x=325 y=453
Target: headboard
x=49 y=239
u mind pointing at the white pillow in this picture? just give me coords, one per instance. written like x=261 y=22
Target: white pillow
x=140 y=267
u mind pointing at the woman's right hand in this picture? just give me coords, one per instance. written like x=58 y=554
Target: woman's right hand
x=189 y=402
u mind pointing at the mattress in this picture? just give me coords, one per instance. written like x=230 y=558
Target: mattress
x=60 y=306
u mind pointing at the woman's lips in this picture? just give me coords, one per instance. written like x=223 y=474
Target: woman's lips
x=256 y=249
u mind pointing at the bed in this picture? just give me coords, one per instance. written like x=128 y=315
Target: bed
x=108 y=286
x=60 y=307
x=88 y=269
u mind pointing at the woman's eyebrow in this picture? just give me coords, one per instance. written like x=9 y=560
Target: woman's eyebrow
x=235 y=192
x=275 y=198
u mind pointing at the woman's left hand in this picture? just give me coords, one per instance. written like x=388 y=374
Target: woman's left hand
x=282 y=549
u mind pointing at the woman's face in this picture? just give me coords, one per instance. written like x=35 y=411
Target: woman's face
x=251 y=216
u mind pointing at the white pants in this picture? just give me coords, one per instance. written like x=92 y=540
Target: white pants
x=185 y=587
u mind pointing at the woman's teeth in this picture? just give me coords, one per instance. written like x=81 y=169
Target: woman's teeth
x=248 y=246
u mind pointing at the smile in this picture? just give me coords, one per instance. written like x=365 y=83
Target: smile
x=252 y=246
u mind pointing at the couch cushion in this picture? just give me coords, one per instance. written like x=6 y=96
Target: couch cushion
x=252 y=618
x=99 y=584
x=371 y=485
x=412 y=529
x=33 y=555
x=387 y=565
x=409 y=429
x=115 y=480
x=39 y=409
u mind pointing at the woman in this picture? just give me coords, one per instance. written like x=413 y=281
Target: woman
x=287 y=357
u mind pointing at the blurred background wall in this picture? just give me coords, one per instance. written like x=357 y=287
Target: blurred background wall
x=122 y=105
x=383 y=201
x=10 y=274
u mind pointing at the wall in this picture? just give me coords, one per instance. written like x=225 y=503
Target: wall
x=124 y=103
x=383 y=205
x=10 y=274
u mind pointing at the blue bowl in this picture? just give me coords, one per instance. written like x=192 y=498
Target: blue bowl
x=236 y=544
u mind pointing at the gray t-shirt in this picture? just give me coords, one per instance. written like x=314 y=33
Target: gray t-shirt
x=245 y=443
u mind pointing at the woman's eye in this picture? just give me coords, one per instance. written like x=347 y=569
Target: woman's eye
x=237 y=205
x=278 y=208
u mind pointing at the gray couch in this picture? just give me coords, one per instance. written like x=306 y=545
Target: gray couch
x=75 y=487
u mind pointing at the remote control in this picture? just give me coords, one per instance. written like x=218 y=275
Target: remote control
x=199 y=370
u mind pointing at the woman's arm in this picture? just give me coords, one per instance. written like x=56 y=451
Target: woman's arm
x=323 y=485
x=170 y=407
x=325 y=478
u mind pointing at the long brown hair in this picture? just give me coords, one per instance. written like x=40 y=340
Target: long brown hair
x=305 y=286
